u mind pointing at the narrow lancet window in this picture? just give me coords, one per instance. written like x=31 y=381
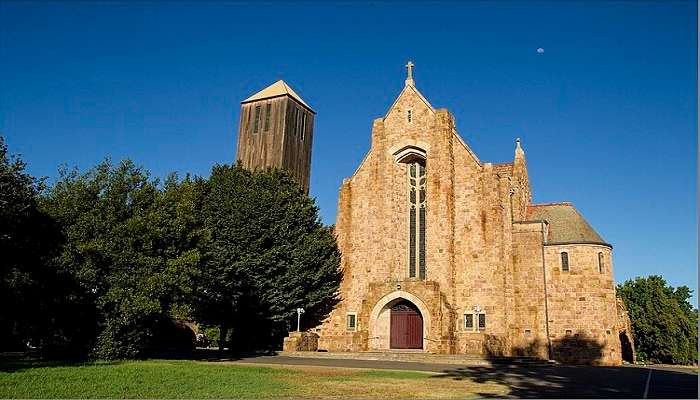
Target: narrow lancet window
x=268 y=111
x=564 y=261
x=600 y=262
x=417 y=219
x=303 y=126
x=296 y=121
x=257 y=119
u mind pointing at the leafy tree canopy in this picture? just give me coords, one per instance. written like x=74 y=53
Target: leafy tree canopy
x=101 y=262
x=131 y=247
x=27 y=238
x=664 y=323
x=268 y=254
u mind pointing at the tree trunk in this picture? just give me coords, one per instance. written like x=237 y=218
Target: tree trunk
x=223 y=332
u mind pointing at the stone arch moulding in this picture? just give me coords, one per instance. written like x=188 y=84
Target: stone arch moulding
x=409 y=153
x=396 y=296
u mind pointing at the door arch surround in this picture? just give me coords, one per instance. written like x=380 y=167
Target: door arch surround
x=379 y=326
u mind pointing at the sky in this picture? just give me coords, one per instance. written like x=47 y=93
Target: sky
x=606 y=111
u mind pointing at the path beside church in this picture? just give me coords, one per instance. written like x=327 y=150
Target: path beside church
x=537 y=381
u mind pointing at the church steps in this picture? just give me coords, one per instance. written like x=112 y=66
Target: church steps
x=419 y=356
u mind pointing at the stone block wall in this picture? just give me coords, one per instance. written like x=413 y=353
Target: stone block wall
x=528 y=323
x=583 y=305
x=300 y=341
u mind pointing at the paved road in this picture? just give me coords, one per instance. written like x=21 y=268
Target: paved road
x=539 y=381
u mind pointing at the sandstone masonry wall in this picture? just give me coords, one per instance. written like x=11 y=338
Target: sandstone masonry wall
x=481 y=252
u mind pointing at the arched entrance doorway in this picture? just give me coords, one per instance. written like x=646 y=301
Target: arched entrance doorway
x=406 y=327
x=380 y=319
x=627 y=351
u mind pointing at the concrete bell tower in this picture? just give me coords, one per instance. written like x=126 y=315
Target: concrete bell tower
x=276 y=130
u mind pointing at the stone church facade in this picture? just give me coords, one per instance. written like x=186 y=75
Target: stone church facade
x=444 y=253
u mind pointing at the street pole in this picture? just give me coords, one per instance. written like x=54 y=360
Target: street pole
x=299 y=312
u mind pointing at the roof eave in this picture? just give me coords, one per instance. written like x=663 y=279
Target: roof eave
x=280 y=95
x=579 y=242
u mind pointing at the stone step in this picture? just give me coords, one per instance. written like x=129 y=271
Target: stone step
x=421 y=357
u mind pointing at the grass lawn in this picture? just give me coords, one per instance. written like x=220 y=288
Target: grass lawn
x=195 y=379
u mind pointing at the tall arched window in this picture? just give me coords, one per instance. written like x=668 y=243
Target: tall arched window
x=417 y=204
x=600 y=262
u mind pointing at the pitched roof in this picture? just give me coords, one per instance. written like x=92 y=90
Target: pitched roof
x=566 y=224
x=279 y=88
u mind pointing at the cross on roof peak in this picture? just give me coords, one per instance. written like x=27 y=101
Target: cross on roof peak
x=409 y=68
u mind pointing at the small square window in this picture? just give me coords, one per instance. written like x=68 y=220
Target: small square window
x=352 y=322
x=568 y=332
x=482 y=321
x=528 y=333
x=469 y=322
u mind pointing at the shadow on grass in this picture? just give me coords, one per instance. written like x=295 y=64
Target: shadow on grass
x=206 y=354
x=17 y=364
x=578 y=381
x=18 y=361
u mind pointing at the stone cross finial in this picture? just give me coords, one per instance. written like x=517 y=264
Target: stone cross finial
x=409 y=68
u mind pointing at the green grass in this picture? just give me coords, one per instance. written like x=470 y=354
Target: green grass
x=192 y=379
x=141 y=379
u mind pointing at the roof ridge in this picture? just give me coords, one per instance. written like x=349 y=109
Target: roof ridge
x=561 y=203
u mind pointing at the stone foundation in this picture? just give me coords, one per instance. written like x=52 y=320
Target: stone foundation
x=300 y=341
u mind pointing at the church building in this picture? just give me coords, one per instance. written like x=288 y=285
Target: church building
x=445 y=253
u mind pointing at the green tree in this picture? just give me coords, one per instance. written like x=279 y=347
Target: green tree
x=27 y=241
x=664 y=323
x=267 y=254
x=132 y=249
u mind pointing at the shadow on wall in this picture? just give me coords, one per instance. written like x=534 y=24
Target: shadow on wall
x=572 y=349
x=577 y=349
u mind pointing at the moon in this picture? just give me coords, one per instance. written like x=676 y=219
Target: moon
x=540 y=50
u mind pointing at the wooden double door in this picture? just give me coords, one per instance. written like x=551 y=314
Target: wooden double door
x=406 y=326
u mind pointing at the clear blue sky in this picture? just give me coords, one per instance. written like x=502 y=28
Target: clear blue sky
x=607 y=114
